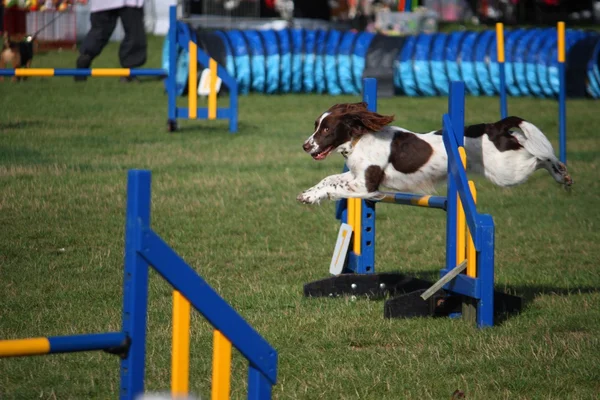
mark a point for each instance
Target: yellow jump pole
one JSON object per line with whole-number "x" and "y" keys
{"x": 502, "y": 68}
{"x": 212, "y": 94}
{"x": 351, "y": 213}
{"x": 193, "y": 81}
{"x": 357, "y": 226}
{"x": 469, "y": 307}
{"x": 24, "y": 347}
{"x": 461, "y": 222}
{"x": 471, "y": 252}
{"x": 110, "y": 72}
{"x": 180, "y": 359}
{"x": 221, "y": 373}
{"x": 562, "y": 95}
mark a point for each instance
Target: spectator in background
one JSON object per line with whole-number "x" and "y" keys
{"x": 104, "y": 16}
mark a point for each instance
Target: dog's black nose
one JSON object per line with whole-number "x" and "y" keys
{"x": 306, "y": 146}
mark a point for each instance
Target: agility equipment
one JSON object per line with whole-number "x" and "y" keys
{"x": 466, "y": 286}
{"x": 335, "y": 61}
{"x": 144, "y": 247}
{"x": 182, "y": 48}
{"x": 556, "y": 76}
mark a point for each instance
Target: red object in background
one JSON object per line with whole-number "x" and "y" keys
{"x": 15, "y": 22}
{"x": 270, "y": 4}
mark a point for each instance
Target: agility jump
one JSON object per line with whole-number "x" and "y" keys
{"x": 179, "y": 35}
{"x": 468, "y": 277}
{"x": 562, "y": 94}
{"x": 143, "y": 247}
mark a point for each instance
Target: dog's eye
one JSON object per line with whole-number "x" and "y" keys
{"x": 325, "y": 130}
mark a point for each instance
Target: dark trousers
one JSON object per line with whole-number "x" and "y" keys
{"x": 132, "y": 52}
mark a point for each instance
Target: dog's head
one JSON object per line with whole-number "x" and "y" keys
{"x": 340, "y": 125}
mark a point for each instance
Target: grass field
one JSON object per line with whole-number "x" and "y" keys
{"x": 226, "y": 203}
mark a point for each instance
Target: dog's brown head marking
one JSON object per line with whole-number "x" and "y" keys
{"x": 343, "y": 123}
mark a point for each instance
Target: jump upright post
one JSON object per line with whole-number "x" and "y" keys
{"x": 179, "y": 35}
{"x": 562, "y": 93}
{"x": 562, "y": 96}
{"x": 144, "y": 248}
{"x": 501, "y": 68}
{"x": 466, "y": 285}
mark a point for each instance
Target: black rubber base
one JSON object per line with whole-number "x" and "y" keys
{"x": 375, "y": 286}
{"x": 403, "y": 295}
{"x": 171, "y": 125}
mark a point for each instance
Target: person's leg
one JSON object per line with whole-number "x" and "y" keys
{"x": 133, "y": 49}
{"x": 103, "y": 24}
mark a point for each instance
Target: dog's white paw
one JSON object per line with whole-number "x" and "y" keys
{"x": 308, "y": 197}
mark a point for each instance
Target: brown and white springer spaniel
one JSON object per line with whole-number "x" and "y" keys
{"x": 506, "y": 152}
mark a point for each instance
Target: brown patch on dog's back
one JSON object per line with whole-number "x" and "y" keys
{"x": 373, "y": 177}
{"x": 498, "y": 133}
{"x": 409, "y": 152}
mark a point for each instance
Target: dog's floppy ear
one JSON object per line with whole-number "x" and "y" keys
{"x": 348, "y": 107}
{"x": 364, "y": 121}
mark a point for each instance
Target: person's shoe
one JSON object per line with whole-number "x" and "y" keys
{"x": 83, "y": 62}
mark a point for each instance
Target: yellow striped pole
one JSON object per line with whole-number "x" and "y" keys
{"x": 351, "y": 213}
{"x": 461, "y": 222}
{"x": 469, "y": 306}
{"x": 193, "y": 81}
{"x": 471, "y": 251}
{"x": 212, "y": 94}
{"x": 500, "y": 52}
{"x": 562, "y": 95}
{"x": 421, "y": 201}
{"x": 561, "y": 41}
{"x": 34, "y": 72}
{"x": 110, "y": 72}
{"x": 24, "y": 347}
{"x": 180, "y": 359}
{"x": 500, "y": 41}
{"x": 357, "y": 225}
{"x": 221, "y": 373}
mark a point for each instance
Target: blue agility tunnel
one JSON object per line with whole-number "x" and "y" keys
{"x": 334, "y": 62}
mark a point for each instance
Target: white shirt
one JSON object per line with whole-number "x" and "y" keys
{"x": 102, "y": 5}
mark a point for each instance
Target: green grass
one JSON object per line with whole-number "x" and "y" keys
{"x": 226, "y": 204}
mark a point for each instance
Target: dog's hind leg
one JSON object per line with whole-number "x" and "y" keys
{"x": 337, "y": 187}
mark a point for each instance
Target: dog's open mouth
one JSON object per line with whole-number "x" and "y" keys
{"x": 322, "y": 154}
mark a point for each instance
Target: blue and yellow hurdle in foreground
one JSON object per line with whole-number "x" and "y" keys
{"x": 145, "y": 249}
{"x": 62, "y": 344}
{"x": 179, "y": 35}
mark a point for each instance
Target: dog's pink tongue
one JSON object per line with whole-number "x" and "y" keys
{"x": 323, "y": 154}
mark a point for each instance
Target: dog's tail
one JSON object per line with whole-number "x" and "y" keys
{"x": 538, "y": 145}
{"x": 534, "y": 141}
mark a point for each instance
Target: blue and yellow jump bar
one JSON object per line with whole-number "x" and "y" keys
{"x": 61, "y": 344}
{"x": 409, "y": 199}
{"x": 96, "y": 72}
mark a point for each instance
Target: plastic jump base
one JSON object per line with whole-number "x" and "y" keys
{"x": 472, "y": 296}
{"x": 180, "y": 39}
{"x": 145, "y": 248}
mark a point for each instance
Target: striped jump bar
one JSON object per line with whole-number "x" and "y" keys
{"x": 417, "y": 200}
{"x": 61, "y": 344}
{"x": 98, "y": 72}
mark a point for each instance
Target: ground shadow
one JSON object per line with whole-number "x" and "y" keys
{"x": 21, "y": 124}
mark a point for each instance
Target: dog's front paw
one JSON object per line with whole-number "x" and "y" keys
{"x": 308, "y": 197}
